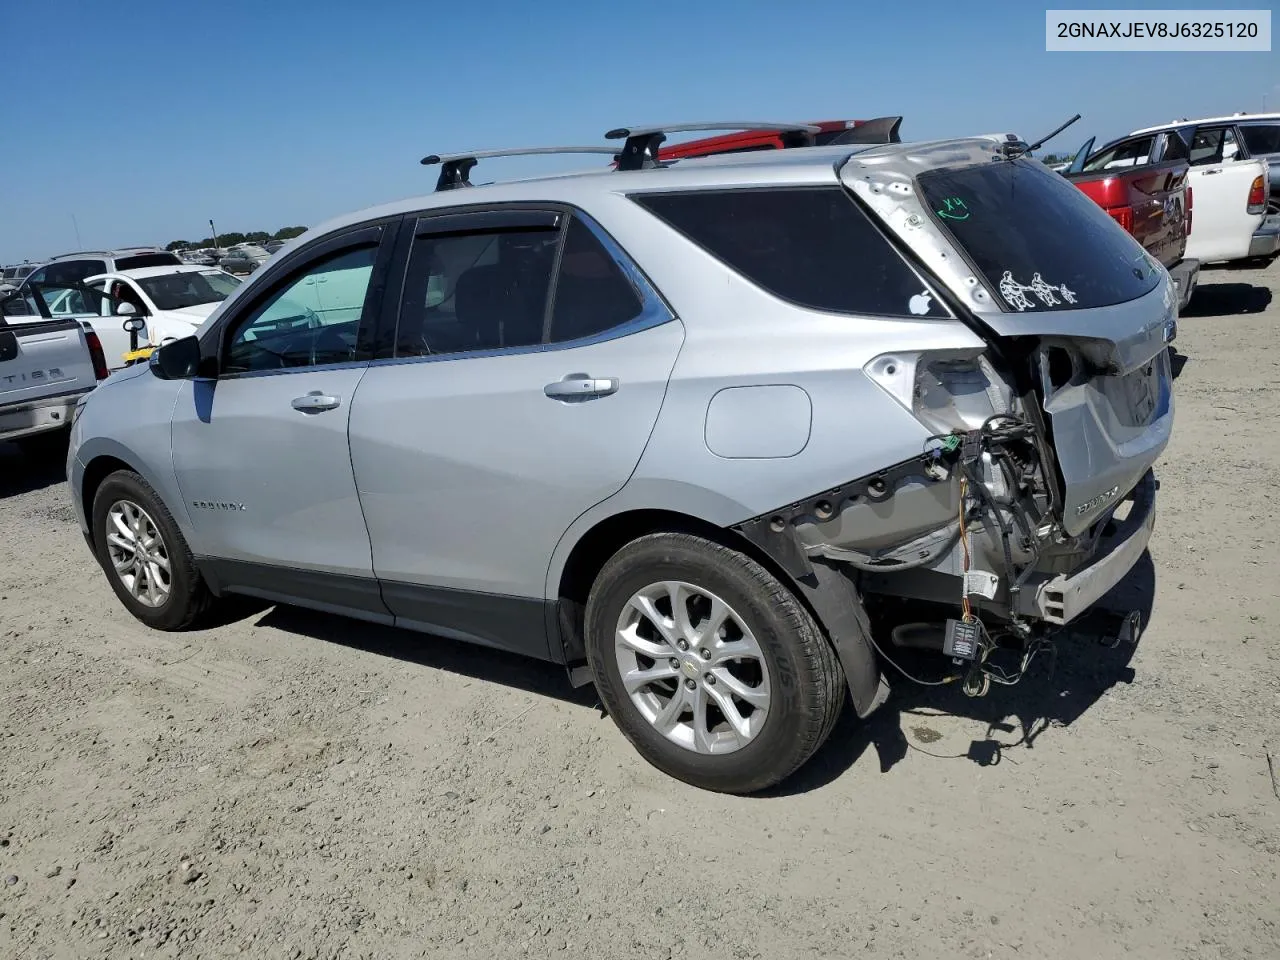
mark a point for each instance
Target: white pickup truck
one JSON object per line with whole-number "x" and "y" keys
{"x": 46, "y": 366}
{"x": 1230, "y": 188}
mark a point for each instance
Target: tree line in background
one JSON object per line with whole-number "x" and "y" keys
{"x": 232, "y": 238}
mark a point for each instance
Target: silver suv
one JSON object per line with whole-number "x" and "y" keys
{"x": 685, "y": 428}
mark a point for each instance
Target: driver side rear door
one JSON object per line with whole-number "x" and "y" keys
{"x": 260, "y": 449}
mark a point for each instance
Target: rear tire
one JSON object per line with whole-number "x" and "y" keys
{"x": 144, "y": 555}
{"x": 732, "y": 696}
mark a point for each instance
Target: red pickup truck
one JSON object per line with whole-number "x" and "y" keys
{"x": 1148, "y": 195}
{"x": 1142, "y": 183}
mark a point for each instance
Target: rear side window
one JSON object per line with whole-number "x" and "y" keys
{"x": 147, "y": 260}
{"x": 1130, "y": 153}
{"x": 812, "y": 246}
{"x": 73, "y": 271}
{"x": 508, "y": 289}
{"x": 592, "y": 294}
{"x": 1040, "y": 242}
{"x": 476, "y": 291}
{"x": 1261, "y": 138}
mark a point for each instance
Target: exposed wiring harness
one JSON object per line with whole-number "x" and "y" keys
{"x": 991, "y": 436}
{"x": 996, "y": 432}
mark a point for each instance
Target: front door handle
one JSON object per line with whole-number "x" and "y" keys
{"x": 1210, "y": 173}
{"x": 315, "y": 402}
{"x": 581, "y": 385}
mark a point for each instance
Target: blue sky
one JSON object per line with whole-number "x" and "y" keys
{"x": 142, "y": 120}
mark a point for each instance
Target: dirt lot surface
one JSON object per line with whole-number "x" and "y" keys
{"x": 293, "y": 785}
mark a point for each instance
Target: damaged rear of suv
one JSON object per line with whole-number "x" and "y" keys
{"x": 982, "y": 351}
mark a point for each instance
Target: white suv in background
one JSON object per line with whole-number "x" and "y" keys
{"x": 69, "y": 268}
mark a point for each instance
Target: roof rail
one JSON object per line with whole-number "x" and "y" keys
{"x": 641, "y": 147}
{"x": 455, "y": 168}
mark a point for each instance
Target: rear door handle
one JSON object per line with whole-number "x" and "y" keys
{"x": 315, "y": 402}
{"x": 581, "y": 385}
{"x": 1210, "y": 173}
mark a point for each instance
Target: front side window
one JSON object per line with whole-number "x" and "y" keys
{"x": 812, "y": 246}
{"x": 311, "y": 320}
{"x": 178, "y": 291}
{"x": 72, "y": 299}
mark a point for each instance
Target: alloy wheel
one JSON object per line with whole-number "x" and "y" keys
{"x": 138, "y": 553}
{"x": 692, "y": 667}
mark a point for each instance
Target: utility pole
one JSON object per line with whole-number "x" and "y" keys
{"x": 79, "y": 244}
{"x": 216, "y": 245}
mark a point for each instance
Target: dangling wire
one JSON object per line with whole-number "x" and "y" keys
{"x": 964, "y": 546}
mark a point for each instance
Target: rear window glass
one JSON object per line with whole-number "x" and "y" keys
{"x": 1261, "y": 138}
{"x": 1040, "y": 242}
{"x": 147, "y": 260}
{"x": 812, "y": 246}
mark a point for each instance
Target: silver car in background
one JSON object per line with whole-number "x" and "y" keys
{"x": 680, "y": 427}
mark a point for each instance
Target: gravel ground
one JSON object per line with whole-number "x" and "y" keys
{"x": 292, "y": 785}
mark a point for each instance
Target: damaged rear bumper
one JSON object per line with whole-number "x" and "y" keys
{"x": 1062, "y": 598}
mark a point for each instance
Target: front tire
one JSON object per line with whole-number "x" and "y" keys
{"x": 709, "y": 665}
{"x": 145, "y": 558}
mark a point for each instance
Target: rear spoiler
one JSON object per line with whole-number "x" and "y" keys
{"x": 879, "y": 130}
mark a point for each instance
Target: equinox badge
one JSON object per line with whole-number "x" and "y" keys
{"x": 216, "y": 505}
{"x": 1097, "y": 501}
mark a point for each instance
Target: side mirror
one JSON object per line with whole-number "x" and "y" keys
{"x": 177, "y": 359}
{"x": 126, "y": 309}
{"x": 134, "y": 324}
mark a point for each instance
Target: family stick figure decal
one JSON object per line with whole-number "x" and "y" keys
{"x": 1015, "y": 293}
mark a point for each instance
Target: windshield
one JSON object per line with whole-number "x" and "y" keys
{"x": 177, "y": 291}
{"x": 1040, "y": 242}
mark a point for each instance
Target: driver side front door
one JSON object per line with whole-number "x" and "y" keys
{"x": 261, "y": 451}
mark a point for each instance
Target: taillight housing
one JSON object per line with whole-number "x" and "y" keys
{"x": 1122, "y": 216}
{"x": 946, "y": 390}
{"x": 97, "y": 354}
{"x": 1190, "y": 204}
{"x": 1257, "y": 196}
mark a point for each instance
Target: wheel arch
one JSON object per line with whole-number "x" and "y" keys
{"x": 832, "y": 602}
{"x": 103, "y": 458}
